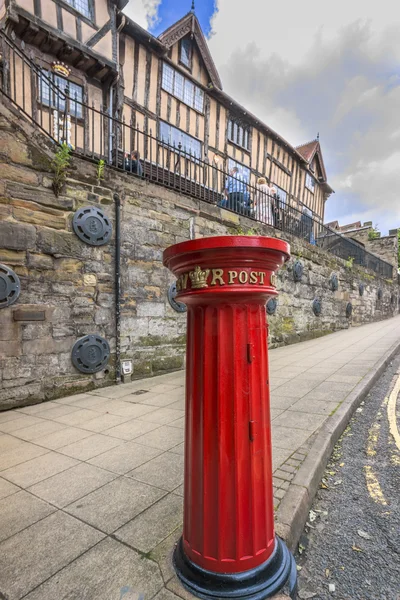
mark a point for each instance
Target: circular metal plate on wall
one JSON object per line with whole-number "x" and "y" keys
{"x": 10, "y": 286}
{"x": 92, "y": 226}
{"x": 178, "y": 306}
{"x": 297, "y": 270}
{"x": 317, "y": 307}
{"x": 380, "y": 294}
{"x": 90, "y": 354}
{"x": 334, "y": 282}
{"x": 272, "y": 305}
{"x": 361, "y": 289}
{"x": 349, "y": 310}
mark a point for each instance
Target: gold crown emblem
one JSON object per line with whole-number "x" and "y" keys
{"x": 198, "y": 277}
{"x": 61, "y": 68}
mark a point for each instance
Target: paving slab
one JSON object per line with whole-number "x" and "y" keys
{"x": 70, "y": 485}
{"x": 115, "y": 504}
{"x": 20, "y": 511}
{"x": 109, "y": 571}
{"x": 154, "y": 524}
{"x": 125, "y": 458}
{"x": 37, "y": 469}
{"x": 7, "y": 488}
{"x": 165, "y": 471}
{"x": 90, "y": 446}
{"x": 30, "y": 557}
{"x": 126, "y": 475}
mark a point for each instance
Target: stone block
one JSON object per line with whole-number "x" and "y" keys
{"x": 38, "y": 217}
{"x": 89, "y": 280}
{"x": 61, "y": 244}
{"x": 9, "y": 348}
{"x": 40, "y": 261}
{"x": 41, "y": 196}
{"x": 20, "y": 175}
{"x": 9, "y": 331}
{"x": 12, "y": 257}
{"x": 15, "y": 236}
{"x": 151, "y": 309}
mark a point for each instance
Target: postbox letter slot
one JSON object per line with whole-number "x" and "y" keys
{"x": 249, "y": 353}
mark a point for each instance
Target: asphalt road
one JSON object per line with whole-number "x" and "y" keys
{"x": 352, "y": 543}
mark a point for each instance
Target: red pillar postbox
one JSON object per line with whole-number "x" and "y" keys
{"x": 229, "y": 548}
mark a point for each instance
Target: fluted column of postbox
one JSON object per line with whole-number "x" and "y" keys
{"x": 228, "y": 548}
{"x": 228, "y": 472}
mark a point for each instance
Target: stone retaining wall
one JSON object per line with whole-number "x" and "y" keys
{"x": 72, "y": 284}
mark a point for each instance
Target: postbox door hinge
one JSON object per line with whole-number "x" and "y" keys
{"x": 252, "y": 433}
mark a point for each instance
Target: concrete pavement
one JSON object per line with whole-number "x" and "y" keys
{"x": 91, "y": 485}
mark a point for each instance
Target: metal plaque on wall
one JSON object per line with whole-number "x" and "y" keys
{"x": 317, "y": 307}
{"x": 178, "y": 306}
{"x": 297, "y": 271}
{"x": 334, "y": 283}
{"x": 90, "y": 354}
{"x": 349, "y": 310}
{"x": 361, "y": 289}
{"x": 92, "y": 226}
{"x": 272, "y": 305}
{"x": 10, "y": 286}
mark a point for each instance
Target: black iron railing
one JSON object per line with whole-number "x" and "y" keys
{"x": 103, "y": 134}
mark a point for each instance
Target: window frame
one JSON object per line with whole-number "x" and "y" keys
{"x": 282, "y": 201}
{"x": 90, "y": 3}
{"x": 197, "y": 90}
{"x": 242, "y": 169}
{"x": 48, "y": 101}
{"x": 182, "y": 134}
{"x": 309, "y": 178}
{"x": 238, "y": 134}
{"x": 189, "y": 66}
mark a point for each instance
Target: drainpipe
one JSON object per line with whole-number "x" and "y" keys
{"x": 117, "y": 201}
{"x": 110, "y": 127}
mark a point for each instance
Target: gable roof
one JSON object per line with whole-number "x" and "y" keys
{"x": 190, "y": 24}
{"x": 308, "y": 150}
{"x": 311, "y": 149}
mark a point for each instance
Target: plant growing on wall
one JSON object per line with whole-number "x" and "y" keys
{"x": 373, "y": 234}
{"x": 349, "y": 262}
{"x": 59, "y": 165}
{"x": 100, "y": 169}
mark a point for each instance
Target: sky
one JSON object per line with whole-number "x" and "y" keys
{"x": 331, "y": 68}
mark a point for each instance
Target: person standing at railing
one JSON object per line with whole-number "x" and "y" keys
{"x": 263, "y": 202}
{"x": 236, "y": 191}
{"x": 133, "y": 164}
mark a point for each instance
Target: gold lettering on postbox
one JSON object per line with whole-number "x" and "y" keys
{"x": 199, "y": 276}
{"x": 253, "y": 277}
{"x": 217, "y": 275}
{"x": 232, "y": 276}
{"x": 243, "y": 277}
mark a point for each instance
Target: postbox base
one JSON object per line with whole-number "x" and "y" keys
{"x": 277, "y": 574}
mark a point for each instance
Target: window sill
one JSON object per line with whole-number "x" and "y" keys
{"x": 243, "y": 148}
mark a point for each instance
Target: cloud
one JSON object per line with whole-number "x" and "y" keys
{"x": 143, "y": 12}
{"x": 323, "y": 69}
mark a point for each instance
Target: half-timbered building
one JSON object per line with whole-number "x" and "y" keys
{"x": 124, "y": 89}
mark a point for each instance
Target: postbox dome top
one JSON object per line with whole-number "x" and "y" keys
{"x": 225, "y": 243}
